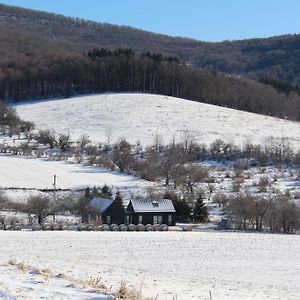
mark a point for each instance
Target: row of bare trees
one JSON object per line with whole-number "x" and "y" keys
{"x": 176, "y": 163}
{"x": 41, "y": 206}
{"x": 271, "y": 212}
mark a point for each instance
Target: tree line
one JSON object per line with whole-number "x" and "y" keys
{"x": 63, "y": 74}
{"x": 40, "y": 207}
{"x": 269, "y": 58}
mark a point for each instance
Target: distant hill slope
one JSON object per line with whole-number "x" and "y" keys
{"x": 273, "y": 58}
{"x": 144, "y": 117}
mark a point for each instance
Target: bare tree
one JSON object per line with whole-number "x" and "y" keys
{"x": 286, "y": 214}
{"x": 193, "y": 174}
{"x": 3, "y": 200}
{"x": 157, "y": 142}
{"x": 64, "y": 142}
{"x": 221, "y": 199}
{"x": 263, "y": 184}
{"x": 39, "y": 206}
{"x": 26, "y": 127}
{"x": 187, "y": 139}
{"x": 82, "y": 207}
{"x": 122, "y": 155}
{"x": 82, "y": 142}
{"x": 241, "y": 210}
{"x": 171, "y": 163}
{"x": 261, "y": 207}
{"x": 46, "y": 137}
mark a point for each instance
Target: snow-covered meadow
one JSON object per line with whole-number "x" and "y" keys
{"x": 32, "y": 174}
{"x": 172, "y": 265}
{"x": 24, "y": 172}
{"x": 142, "y": 117}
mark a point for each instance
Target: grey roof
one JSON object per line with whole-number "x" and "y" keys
{"x": 101, "y": 204}
{"x": 148, "y": 205}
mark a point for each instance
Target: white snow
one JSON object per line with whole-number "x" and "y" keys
{"x": 140, "y": 117}
{"x": 22, "y": 172}
{"x": 16, "y": 285}
{"x": 172, "y": 265}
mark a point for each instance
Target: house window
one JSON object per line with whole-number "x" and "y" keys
{"x": 140, "y": 219}
{"x": 170, "y": 220}
{"x": 157, "y": 219}
{"x": 127, "y": 220}
{"x": 108, "y": 220}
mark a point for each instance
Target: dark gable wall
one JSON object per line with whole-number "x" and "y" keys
{"x": 116, "y": 213}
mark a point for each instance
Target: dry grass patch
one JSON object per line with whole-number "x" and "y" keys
{"x": 12, "y": 262}
{"x": 127, "y": 293}
{"x": 96, "y": 285}
{"x": 23, "y": 267}
{"x": 2, "y": 285}
{"x": 45, "y": 273}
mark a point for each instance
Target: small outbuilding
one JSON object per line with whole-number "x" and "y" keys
{"x": 147, "y": 211}
{"x": 107, "y": 211}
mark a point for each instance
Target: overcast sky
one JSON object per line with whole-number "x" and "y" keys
{"x": 208, "y": 20}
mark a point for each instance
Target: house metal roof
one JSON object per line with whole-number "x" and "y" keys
{"x": 148, "y": 205}
{"x": 101, "y": 204}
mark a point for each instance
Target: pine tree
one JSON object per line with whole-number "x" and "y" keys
{"x": 183, "y": 211}
{"x": 119, "y": 200}
{"x": 200, "y": 211}
{"x": 106, "y": 192}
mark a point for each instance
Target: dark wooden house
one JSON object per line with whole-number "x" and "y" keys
{"x": 147, "y": 211}
{"x": 107, "y": 211}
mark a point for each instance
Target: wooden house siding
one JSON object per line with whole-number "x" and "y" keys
{"x": 168, "y": 218}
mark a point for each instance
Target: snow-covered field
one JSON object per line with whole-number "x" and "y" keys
{"x": 21, "y": 172}
{"x": 172, "y": 265}
{"x": 141, "y": 117}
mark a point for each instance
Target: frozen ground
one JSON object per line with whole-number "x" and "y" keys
{"x": 143, "y": 116}
{"x": 172, "y": 265}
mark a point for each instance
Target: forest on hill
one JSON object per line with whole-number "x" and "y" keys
{"x": 276, "y": 58}
{"x": 64, "y": 74}
{"x": 45, "y": 55}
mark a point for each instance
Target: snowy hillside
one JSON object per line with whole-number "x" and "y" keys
{"x": 141, "y": 117}
{"x": 170, "y": 265}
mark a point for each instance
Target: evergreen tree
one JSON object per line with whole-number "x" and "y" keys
{"x": 95, "y": 192}
{"x": 106, "y": 192}
{"x": 119, "y": 200}
{"x": 200, "y": 211}
{"x": 87, "y": 192}
{"x": 183, "y": 211}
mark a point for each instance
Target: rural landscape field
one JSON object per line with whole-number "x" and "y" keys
{"x": 159, "y": 163}
{"x": 182, "y": 265}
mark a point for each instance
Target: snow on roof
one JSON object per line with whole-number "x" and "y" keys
{"x": 148, "y": 205}
{"x": 101, "y": 204}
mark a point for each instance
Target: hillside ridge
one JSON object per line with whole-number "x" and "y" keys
{"x": 275, "y": 57}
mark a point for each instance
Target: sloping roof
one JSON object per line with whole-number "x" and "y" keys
{"x": 101, "y": 204}
{"x": 148, "y": 205}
